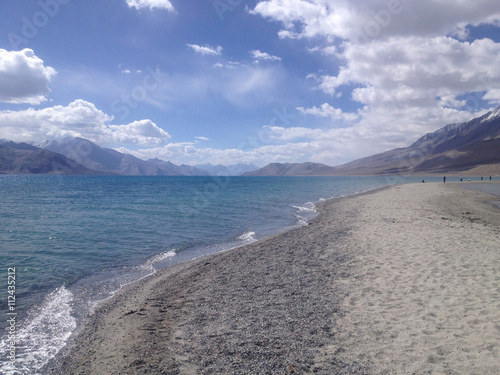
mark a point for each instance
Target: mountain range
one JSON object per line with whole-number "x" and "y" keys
{"x": 80, "y": 156}
{"x": 110, "y": 161}
{"x": 22, "y": 158}
{"x": 227, "y": 170}
{"x": 469, "y": 148}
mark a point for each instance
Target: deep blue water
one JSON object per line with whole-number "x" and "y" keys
{"x": 75, "y": 240}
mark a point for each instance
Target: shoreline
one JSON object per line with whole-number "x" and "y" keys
{"x": 58, "y": 365}
{"x": 81, "y": 302}
{"x": 279, "y": 305}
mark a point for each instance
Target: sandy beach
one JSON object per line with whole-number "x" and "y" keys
{"x": 403, "y": 280}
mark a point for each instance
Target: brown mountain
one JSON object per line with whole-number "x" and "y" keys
{"x": 291, "y": 169}
{"x": 22, "y": 158}
{"x": 111, "y": 161}
{"x": 467, "y": 148}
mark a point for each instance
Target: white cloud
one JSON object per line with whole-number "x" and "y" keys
{"x": 229, "y": 65}
{"x": 188, "y": 153}
{"x": 79, "y": 119}
{"x": 326, "y": 110}
{"x": 296, "y": 144}
{"x": 407, "y": 68}
{"x": 364, "y": 20}
{"x": 405, "y": 63}
{"x": 493, "y": 95}
{"x": 423, "y": 83}
{"x": 143, "y": 132}
{"x": 23, "y": 77}
{"x": 202, "y": 138}
{"x": 151, "y": 4}
{"x": 292, "y": 133}
{"x": 206, "y": 50}
{"x": 263, "y": 56}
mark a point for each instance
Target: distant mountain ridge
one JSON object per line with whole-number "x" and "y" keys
{"x": 22, "y": 158}
{"x": 469, "y": 147}
{"x": 227, "y": 170}
{"x": 110, "y": 161}
{"x": 465, "y": 148}
{"x": 98, "y": 160}
{"x": 291, "y": 169}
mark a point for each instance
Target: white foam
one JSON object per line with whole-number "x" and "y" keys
{"x": 247, "y": 237}
{"x": 305, "y": 213}
{"x": 45, "y": 333}
{"x": 150, "y": 263}
{"x": 308, "y": 207}
{"x": 304, "y": 209}
{"x": 301, "y": 220}
{"x": 162, "y": 256}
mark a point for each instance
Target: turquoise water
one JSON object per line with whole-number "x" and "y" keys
{"x": 75, "y": 240}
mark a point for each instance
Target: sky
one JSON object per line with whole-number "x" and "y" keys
{"x": 235, "y": 81}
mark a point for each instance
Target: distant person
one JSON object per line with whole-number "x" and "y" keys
{"x": 423, "y": 181}
{"x": 461, "y": 178}
{"x": 490, "y": 178}
{"x": 481, "y": 178}
{"x": 444, "y": 179}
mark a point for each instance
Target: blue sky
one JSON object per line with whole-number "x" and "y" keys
{"x": 229, "y": 81}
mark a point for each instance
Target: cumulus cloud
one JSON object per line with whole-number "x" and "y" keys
{"x": 407, "y": 68}
{"x": 326, "y": 110}
{"x": 188, "y": 153}
{"x": 23, "y": 77}
{"x": 143, "y": 132}
{"x": 206, "y": 50}
{"x": 263, "y": 56}
{"x": 151, "y": 4}
{"x": 79, "y": 119}
{"x": 364, "y": 20}
{"x": 280, "y": 145}
{"x": 292, "y": 133}
{"x": 411, "y": 66}
{"x": 423, "y": 83}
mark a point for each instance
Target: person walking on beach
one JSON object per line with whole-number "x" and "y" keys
{"x": 490, "y": 178}
{"x": 444, "y": 179}
{"x": 461, "y": 178}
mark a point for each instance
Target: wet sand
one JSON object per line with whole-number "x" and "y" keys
{"x": 404, "y": 280}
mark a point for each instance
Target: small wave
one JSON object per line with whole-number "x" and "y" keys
{"x": 247, "y": 237}
{"x": 305, "y": 213}
{"x": 301, "y": 220}
{"x": 45, "y": 333}
{"x": 308, "y": 207}
{"x": 151, "y": 262}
